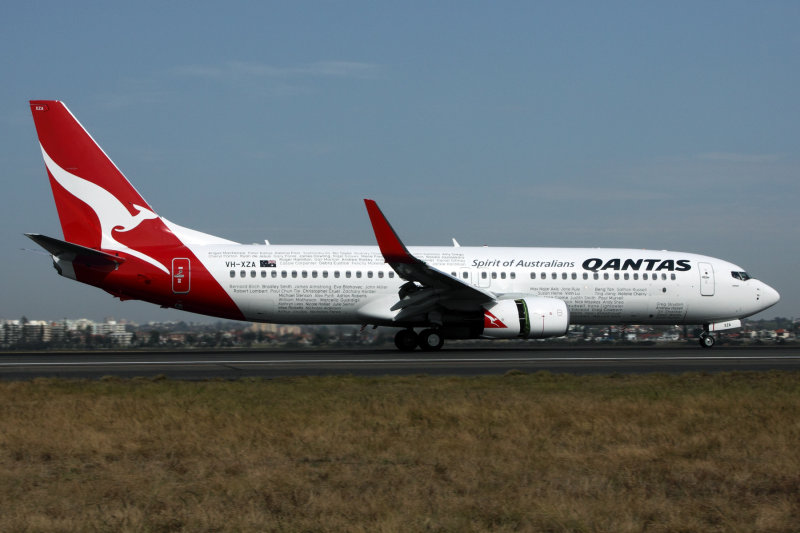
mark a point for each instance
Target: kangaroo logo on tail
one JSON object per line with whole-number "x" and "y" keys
{"x": 112, "y": 213}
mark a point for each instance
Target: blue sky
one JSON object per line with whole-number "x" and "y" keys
{"x": 620, "y": 124}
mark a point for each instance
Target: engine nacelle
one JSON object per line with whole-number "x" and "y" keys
{"x": 531, "y": 317}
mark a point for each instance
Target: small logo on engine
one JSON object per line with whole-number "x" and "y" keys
{"x": 490, "y": 321}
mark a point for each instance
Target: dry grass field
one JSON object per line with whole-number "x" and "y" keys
{"x": 537, "y": 452}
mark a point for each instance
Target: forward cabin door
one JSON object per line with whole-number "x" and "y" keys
{"x": 706, "y": 279}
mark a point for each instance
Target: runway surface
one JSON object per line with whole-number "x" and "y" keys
{"x": 489, "y": 360}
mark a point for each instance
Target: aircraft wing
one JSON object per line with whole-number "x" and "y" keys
{"x": 433, "y": 287}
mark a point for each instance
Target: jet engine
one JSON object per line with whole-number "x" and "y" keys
{"x": 531, "y": 317}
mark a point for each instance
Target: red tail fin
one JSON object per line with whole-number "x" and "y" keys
{"x": 95, "y": 203}
{"x": 114, "y": 240}
{"x": 82, "y": 175}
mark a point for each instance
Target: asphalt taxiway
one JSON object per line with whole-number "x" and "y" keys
{"x": 490, "y": 360}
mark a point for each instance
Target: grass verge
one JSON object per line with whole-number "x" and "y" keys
{"x": 538, "y": 452}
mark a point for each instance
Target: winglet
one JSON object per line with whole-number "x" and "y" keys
{"x": 392, "y": 248}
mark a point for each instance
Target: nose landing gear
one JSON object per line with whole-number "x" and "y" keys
{"x": 707, "y": 340}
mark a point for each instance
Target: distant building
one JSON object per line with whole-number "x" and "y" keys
{"x": 107, "y": 328}
{"x": 121, "y": 338}
{"x": 11, "y": 332}
{"x": 79, "y": 324}
{"x": 36, "y": 331}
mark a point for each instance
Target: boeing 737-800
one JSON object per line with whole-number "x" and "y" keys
{"x": 115, "y": 241}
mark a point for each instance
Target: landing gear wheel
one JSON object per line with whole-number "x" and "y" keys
{"x": 405, "y": 340}
{"x": 430, "y": 340}
{"x": 707, "y": 341}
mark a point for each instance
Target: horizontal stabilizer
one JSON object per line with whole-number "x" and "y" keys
{"x": 75, "y": 253}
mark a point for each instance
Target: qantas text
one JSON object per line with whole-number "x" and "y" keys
{"x": 594, "y": 264}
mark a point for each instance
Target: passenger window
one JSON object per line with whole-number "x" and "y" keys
{"x": 465, "y": 275}
{"x": 324, "y": 273}
{"x": 626, "y": 276}
{"x": 513, "y": 275}
{"x": 494, "y": 275}
{"x": 563, "y": 275}
{"x": 314, "y": 274}
{"x": 336, "y": 274}
{"x": 596, "y": 275}
{"x": 380, "y": 274}
{"x": 294, "y": 273}
{"x": 554, "y": 275}
{"x": 574, "y": 275}
{"x": 233, "y": 273}
{"x": 252, "y": 273}
{"x": 242, "y": 274}
{"x": 663, "y": 276}
{"x": 391, "y": 274}
{"x": 585, "y": 275}
{"x": 502, "y": 275}
{"x": 305, "y": 273}
{"x": 369, "y": 274}
{"x": 605, "y": 275}
{"x": 347, "y": 274}
{"x": 672, "y": 276}
{"x": 283, "y": 273}
{"x": 483, "y": 275}
{"x": 533, "y": 275}
{"x": 616, "y": 275}
{"x": 635, "y": 275}
{"x": 358, "y": 273}
{"x": 274, "y": 273}
{"x": 263, "y": 273}
{"x": 644, "y": 277}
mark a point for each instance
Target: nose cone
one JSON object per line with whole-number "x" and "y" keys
{"x": 769, "y": 296}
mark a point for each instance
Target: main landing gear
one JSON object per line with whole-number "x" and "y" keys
{"x": 428, "y": 340}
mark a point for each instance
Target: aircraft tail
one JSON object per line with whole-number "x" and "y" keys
{"x": 112, "y": 237}
{"x": 92, "y": 196}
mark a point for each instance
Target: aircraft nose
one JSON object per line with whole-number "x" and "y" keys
{"x": 769, "y": 296}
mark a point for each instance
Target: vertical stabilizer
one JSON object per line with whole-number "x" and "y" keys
{"x": 112, "y": 237}
{"x": 91, "y": 194}
{"x": 96, "y": 205}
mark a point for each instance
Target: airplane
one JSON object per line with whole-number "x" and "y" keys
{"x": 113, "y": 239}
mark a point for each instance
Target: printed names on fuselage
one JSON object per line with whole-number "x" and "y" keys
{"x": 604, "y": 302}
{"x": 321, "y": 258}
{"x": 337, "y": 281}
{"x": 330, "y": 299}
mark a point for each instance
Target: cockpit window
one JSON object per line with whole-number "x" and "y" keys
{"x": 744, "y": 276}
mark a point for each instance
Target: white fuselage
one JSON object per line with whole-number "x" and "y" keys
{"x": 353, "y": 284}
